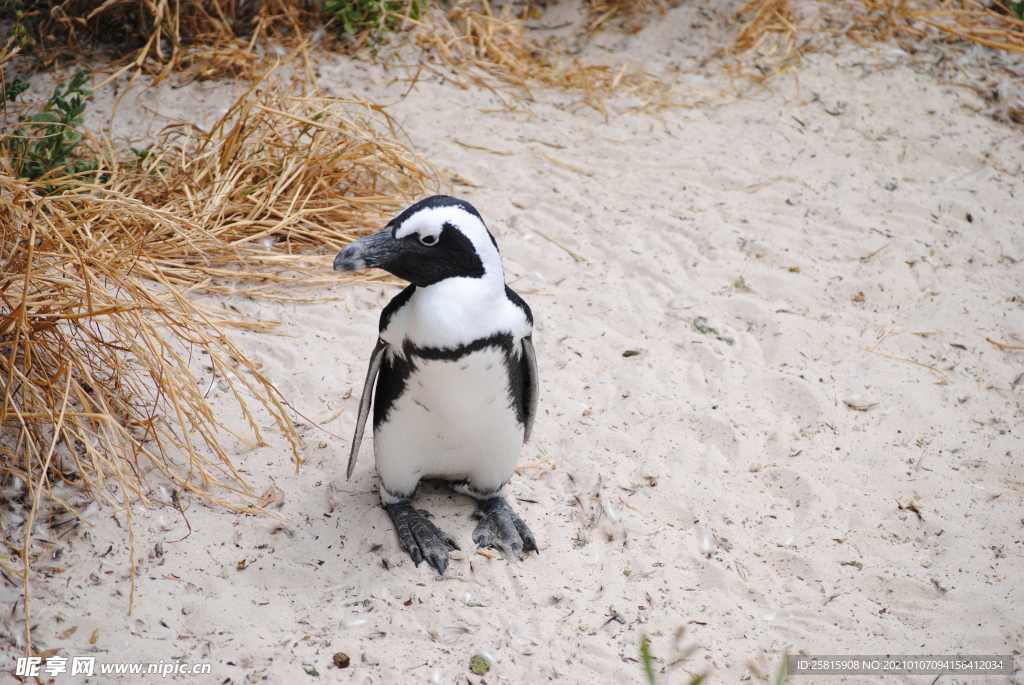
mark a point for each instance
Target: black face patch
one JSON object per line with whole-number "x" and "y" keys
{"x": 452, "y": 256}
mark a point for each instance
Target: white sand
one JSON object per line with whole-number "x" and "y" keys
{"x": 699, "y": 485}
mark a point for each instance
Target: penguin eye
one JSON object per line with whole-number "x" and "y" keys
{"x": 428, "y": 239}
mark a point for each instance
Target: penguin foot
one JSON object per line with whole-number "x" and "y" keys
{"x": 501, "y": 528}
{"x": 421, "y": 539}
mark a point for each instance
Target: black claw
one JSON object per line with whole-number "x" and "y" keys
{"x": 419, "y": 537}
{"x": 439, "y": 562}
{"x": 529, "y": 542}
{"x": 502, "y": 529}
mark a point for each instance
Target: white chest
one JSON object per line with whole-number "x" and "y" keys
{"x": 454, "y": 420}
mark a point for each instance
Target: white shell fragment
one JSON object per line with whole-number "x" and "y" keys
{"x": 859, "y": 403}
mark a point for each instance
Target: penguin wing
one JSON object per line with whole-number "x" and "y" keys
{"x": 376, "y": 359}
{"x": 531, "y": 389}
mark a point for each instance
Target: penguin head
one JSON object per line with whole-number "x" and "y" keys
{"x": 433, "y": 240}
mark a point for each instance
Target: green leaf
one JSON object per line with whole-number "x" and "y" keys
{"x": 783, "y": 673}
{"x": 80, "y": 79}
{"x": 14, "y": 89}
{"x": 646, "y": 659}
{"x": 42, "y": 148}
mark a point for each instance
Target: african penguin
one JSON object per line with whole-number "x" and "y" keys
{"x": 455, "y": 373}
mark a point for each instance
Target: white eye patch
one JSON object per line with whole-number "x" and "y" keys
{"x": 429, "y": 231}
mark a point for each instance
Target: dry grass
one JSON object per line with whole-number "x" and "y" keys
{"x": 205, "y": 39}
{"x": 491, "y": 49}
{"x": 107, "y": 353}
{"x": 868, "y": 21}
{"x": 767, "y": 36}
{"x": 197, "y": 38}
{"x": 628, "y": 16}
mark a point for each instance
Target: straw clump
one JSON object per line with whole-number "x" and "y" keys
{"x": 769, "y": 31}
{"x": 628, "y": 16}
{"x": 766, "y": 37}
{"x": 198, "y": 38}
{"x": 101, "y": 313}
{"x": 492, "y": 50}
{"x": 993, "y": 25}
{"x": 204, "y": 39}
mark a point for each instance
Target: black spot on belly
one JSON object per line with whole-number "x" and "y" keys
{"x": 463, "y": 367}
{"x": 425, "y": 407}
{"x": 488, "y": 367}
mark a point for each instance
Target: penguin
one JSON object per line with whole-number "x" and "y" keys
{"x": 452, "y": 379}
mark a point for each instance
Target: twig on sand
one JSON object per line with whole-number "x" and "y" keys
{"x": 333, "y": 416}
{"x": 1004, "y": 346}
{"x": 485, "y": 149}
{"x": 904, "y": 359}
{"x": 577, "y": 257}
{"x": 539, "y": 464}
{"x": 895, "y": 330}
{"x": 560, "y": 163}
{"x": 864, "y": 259}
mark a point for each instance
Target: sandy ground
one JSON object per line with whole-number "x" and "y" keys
{"x": 854, "y": 239}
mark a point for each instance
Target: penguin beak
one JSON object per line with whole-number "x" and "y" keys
{"x": 373, "y": 251}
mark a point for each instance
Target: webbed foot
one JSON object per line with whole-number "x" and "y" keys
{"x": 501, "y": 528}
{"x": 421, "y": 539}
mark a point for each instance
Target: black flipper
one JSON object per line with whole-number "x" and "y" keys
{"x": 419, "y": 537}
{"x": 376, "y": 359}
{"x": 531, "y": 396}
{"x": 501, "y": 528}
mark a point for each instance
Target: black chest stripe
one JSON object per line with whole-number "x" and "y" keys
{"x": 396, "y": 303}
{"x": 514, "y": 298}
{"x": 395, "y": 372}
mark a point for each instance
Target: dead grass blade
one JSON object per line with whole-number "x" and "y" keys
{"x": 1004, "y": 346}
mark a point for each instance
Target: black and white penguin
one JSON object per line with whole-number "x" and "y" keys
{"x": 455, "y": 372}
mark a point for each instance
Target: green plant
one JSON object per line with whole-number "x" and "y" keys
{"x": 43, "y": 143}
{"x": 18, "y": 32}
{"x": 11, "y": 91}
{"x": 646, "y": 659}
{"x": 374, "y": 17}
{"x": 782, "y": 675}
